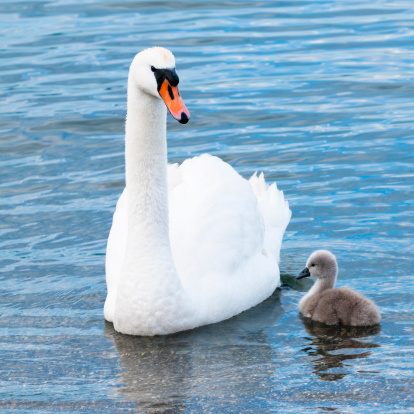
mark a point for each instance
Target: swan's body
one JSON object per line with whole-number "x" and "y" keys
{"x": 332, "y": 306}
{"x": 192, "y": 244}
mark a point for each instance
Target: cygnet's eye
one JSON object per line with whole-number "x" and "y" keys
{"x": 313, "y": 265}
{"x": 153, "y": 69}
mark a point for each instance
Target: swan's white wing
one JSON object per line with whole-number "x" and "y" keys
{"x": 275, "y": 211}
{"x": 218, "y": 235}
{"x": 215, "y": 220}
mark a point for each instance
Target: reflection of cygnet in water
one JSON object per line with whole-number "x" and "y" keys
{"x": 332, "y": 348}
{"x": 332, "y": 306}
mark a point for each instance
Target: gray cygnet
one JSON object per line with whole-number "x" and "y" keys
{"x": 332, "y": 306}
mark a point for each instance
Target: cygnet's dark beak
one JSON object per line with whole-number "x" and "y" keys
{"x": 304, "y": 273}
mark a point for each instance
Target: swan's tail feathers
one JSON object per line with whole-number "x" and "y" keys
{"x": 275, "y": 211}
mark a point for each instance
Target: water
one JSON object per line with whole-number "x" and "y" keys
{"x": 317, "y": 94}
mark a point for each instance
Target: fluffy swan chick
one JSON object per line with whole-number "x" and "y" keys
{"x": 190, "y": 244}
{"x": 332, "y": 306}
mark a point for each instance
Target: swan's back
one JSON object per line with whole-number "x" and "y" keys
{"x": 215, "y": 221}
{"x": 218, "y": 234}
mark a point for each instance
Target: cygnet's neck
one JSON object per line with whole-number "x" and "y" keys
{"x": 322, "y": 284}
{"x": 325, "y": 283}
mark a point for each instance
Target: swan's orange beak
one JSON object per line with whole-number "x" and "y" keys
{"x": 175, "y": 104}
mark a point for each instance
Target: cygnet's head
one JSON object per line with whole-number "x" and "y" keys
{"x": 321, "y": 264}
{"x": 153, "y": 72}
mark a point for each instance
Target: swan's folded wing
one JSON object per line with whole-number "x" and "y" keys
{"x": 215, "y": 221}
{"x": 275, "y": 211}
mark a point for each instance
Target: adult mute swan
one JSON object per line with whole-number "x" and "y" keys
{"x": 193, "y": 244}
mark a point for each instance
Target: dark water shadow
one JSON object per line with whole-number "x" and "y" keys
{"x": 327, "y": 339}
{"x": 163, "y": 373}
{"x": 290, "y": 281}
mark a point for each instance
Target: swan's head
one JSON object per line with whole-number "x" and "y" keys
{"x": 153, "y": 72}
{"x": 321, "y": 264}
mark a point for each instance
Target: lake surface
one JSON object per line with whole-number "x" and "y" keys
{"x": 317, "y": 94}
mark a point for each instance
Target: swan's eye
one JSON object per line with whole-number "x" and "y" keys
{"x": 313, "y": 265}
{"x": 153, "y": 69}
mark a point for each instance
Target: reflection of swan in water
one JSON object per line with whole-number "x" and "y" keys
{"x": 210, "y": 369}
{"x": 327, "y": 338}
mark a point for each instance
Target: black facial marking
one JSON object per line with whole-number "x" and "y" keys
{"x": 162, "y": 74}
{"x": 170, "y": 92}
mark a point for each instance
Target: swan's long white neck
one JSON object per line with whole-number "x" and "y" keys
{"x": 146, "y": 169}
{"x": 150, "y": 291}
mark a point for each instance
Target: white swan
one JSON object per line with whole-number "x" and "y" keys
{"x": 192, "y": 244}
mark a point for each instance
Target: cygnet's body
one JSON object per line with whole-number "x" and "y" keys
{"x": 332, "y": 306}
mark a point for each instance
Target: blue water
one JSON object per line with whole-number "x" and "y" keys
{"x": 317, "y": 94}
